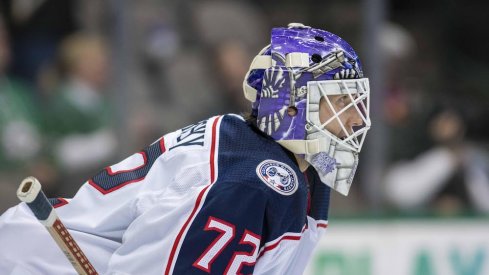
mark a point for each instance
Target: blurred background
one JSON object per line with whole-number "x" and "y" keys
{"x": 85, "y": 83}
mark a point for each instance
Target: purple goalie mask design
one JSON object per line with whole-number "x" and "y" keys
{"x": 283, "y": 85}
{"x": 303, "y": 77}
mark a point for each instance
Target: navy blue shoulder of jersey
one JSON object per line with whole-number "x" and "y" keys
{"x": 241, "y": 149}
{"x": 240, "y": 200}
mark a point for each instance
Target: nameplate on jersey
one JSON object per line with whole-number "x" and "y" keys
{"x": 278, "y": 176}
{"x": 192, "y": 135}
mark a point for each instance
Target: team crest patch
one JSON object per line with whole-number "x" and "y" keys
{"x": 279, "y": 176}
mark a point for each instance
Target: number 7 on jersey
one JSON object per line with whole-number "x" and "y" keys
{"x": 227, "y": 233}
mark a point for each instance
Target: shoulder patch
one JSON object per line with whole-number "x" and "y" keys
{"x": 278, "y": 176}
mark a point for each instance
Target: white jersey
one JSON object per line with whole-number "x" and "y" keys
{"x": 215, "y": 197}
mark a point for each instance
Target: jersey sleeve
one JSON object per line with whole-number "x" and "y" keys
{"x": 97, "y": 217}
{"x": 106, "y": 204}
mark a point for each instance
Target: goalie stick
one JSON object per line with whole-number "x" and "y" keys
{"x": 30, "y": 192}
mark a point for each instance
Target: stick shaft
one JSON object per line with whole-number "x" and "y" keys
{"x": 30, "y": 192}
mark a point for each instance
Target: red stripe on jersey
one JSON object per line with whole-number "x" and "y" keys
{"x": 197, "y": 202}
{"x": 213, "y": 147}
{"x": 323, "y": 225}
{"x": 319, "y": 224}
{"x": 162, "y": 145}
{"x": 60, "y": 203}
{"x": 273, "y": 246}
{"x": 180, "y": 234}
{"x": 105, "y": 192}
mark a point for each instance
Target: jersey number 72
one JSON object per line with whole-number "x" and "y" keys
{"x": 227, "y": 233}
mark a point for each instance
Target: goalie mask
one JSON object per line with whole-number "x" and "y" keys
{"x": 302, "y": 70}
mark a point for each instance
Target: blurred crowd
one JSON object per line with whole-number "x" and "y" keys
{"x": 85, "y": 83}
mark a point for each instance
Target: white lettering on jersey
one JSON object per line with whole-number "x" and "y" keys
{"x": 191, "y": 135}
{"x": 241, "y": 258}
{"x": 227, "y": 232}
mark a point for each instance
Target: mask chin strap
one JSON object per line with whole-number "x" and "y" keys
{"x": 305, "y": 147}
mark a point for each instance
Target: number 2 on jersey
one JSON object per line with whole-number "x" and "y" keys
{"x": 227, "y": 233}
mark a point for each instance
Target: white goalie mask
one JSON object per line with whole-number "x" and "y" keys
{"x": 341, "y": 135}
